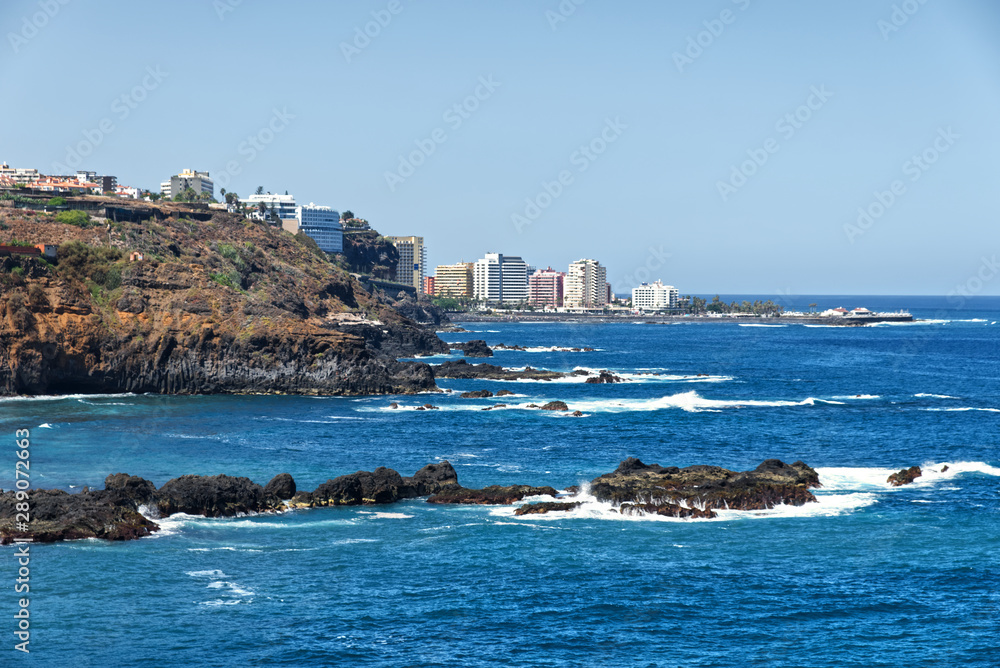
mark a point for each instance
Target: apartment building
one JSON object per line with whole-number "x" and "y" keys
{"x": 586, "y": 285}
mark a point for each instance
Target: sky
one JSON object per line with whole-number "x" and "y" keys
{"x": 731, "y": 146}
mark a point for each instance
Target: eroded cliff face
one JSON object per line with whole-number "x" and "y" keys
{"x": 223, "y": 306}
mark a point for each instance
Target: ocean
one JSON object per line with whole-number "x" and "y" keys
{"x": 869, "y": 576}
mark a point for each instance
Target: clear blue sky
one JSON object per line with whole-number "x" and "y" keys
{"x": 682, "y": 126}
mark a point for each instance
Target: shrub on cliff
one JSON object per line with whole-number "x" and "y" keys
{"x": 77, "y": 218}
{"x": 79, "y": 262}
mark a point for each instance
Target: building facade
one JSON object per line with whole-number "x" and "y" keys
{"x": 654, "y": 296}
{"x": 514, "y": 276}
{"x": 321, "y": 223}
{"x": 19, "y": 175}
{"x": 586, "y": 285}
{"x": 545, "y": 288}
{"x": 199, "y": 182}
{"x": 411, "y": 269}
{"x": 453, "y": 280}
{"x": 283, "y": 206}
{"x": 429, "y": 285}
{"x": 486, "y": 279}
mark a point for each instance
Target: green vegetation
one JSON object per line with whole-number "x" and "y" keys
{"x": 20, "y": 244}
{"x": 82, "y": 263}
{"x": 756, "y": 308}
{"x": 447, "y": 303}
{"x": 57, "y": 201}
{"x": 77, "y": 218}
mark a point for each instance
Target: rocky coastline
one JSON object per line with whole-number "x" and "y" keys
{"x": 129, "y": 506}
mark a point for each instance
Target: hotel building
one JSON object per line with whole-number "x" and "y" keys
{"x": 586, "y": 285}
{"x": 411, "y": 268}
{"x": 321, "y": 223}
{"x": 453, "y": 280}
{"x": 199, "y": 182}
{"x": 654, "y": 296}
{"x": 545, "y": 288}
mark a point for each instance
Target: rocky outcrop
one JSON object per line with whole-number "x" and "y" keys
{"x": 555, "y": 406}
{"x": 706, "y": 487}
{"x": 383, "y": 485}
{"x": 430, "y": 480}
{"x": 477, "y": 394}
{"x": 492, "y": 495}
{"x": 604, "y": 376}
{"x": 280, "y": 488}
{"x": 904, "y": 476}
{"x": 57, "y": 515}
{"x": 211, "y": 496}
{"x": 665, "y": 509}
{"x": 475, "y": 348}
{"x": 546, "y": 507}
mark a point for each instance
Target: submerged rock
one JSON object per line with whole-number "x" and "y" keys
{"x": 905, "y": 476}
{"x": 477, "y": 394}
{"x": 546, "y": 507}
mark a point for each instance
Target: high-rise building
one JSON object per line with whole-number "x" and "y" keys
{"x": 486, "y": 279}
{"x": 586, "y": 285}
{"x": 514, "y": 276}
{"x": 411, "y": 268}
{"x": 429, "y": 287}
{"x": 453, "y": 280}
{"x": 321, "y": 223}
{"x": 545, "y": 288}
{"x": 654, "y": 296}
{"x": 199, "y": 182}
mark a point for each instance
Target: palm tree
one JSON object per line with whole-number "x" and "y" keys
{"x": 260, "y": 190}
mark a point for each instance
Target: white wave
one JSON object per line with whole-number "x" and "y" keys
{"x": 392, "y": 516}
{"x": 628, "y": 377}
{"x": 935, "y": 396}
{"x": 231, "y": 587}
{"x": 352, "y": 541}
{"x": 826, "y": 505}
{"x": 104, "y": 403}
{"x": 823, "y": 326}
{"x": 876, "y": 478}
{"x": 962, "y": 409}
{"x": 61, "y": 397}
{"x": 548, "y": 349}
{"x": 220, "y": 602}
{"x": 690, "y": 401}
{"x": 206, "y": 574}
{"x": 859, "y": 396}
{"x": 45, "y": 425}
{"x": 751, "y": 324}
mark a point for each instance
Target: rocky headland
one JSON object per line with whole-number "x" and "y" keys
{"x": 179, "y": 306}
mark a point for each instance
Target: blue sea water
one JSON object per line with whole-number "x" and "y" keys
{"x": 869, "y": 576}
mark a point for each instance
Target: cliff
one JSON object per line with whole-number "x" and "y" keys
{"x": 225, "y": 305}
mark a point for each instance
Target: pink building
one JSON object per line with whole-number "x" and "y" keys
{"x": 545, "y": 288}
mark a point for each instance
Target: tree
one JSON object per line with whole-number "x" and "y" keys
{"x": 222, "y": 191}
{"x": 260, "y": 190}
{"x": 347, "y": 215}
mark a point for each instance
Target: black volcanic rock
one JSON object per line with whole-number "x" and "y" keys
{"x": 604, "y": 376}
{"x": 492, "y": 495}
{"x": 477, "y": 394}
{"x": 555, "y": 406}
{"x": 57, "y": 516}
{"x": 429, "y": 480}
{"x": 546, "y": 507}
{"x": 130, "y": 490}
{"x": 281, "y": 487}
{"x": 475, "y": 348}
{"x": 211, "y": 496}
{"x": 707, "y": 487}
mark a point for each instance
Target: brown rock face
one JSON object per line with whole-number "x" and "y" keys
{"x": 545, "y": 507}
{"x": 905, "y": 476}
{"x": 224, "y": 306}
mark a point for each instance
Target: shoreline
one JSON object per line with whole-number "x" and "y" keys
{"x": 847, "y": 321}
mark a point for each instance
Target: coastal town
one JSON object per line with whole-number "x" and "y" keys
{"x": 495, "y": 285}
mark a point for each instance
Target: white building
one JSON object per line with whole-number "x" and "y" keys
{"x": 487, "y": 285}
{"x": 19, "y": 175}
{"x": 283, "y": 206}
{"x": 321, "y": 223}
{"x": 653, "y": 296}
{"x": 199, "y": 182}
{"x": 586, "y": 285}
{"x": 514, "y": 277}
